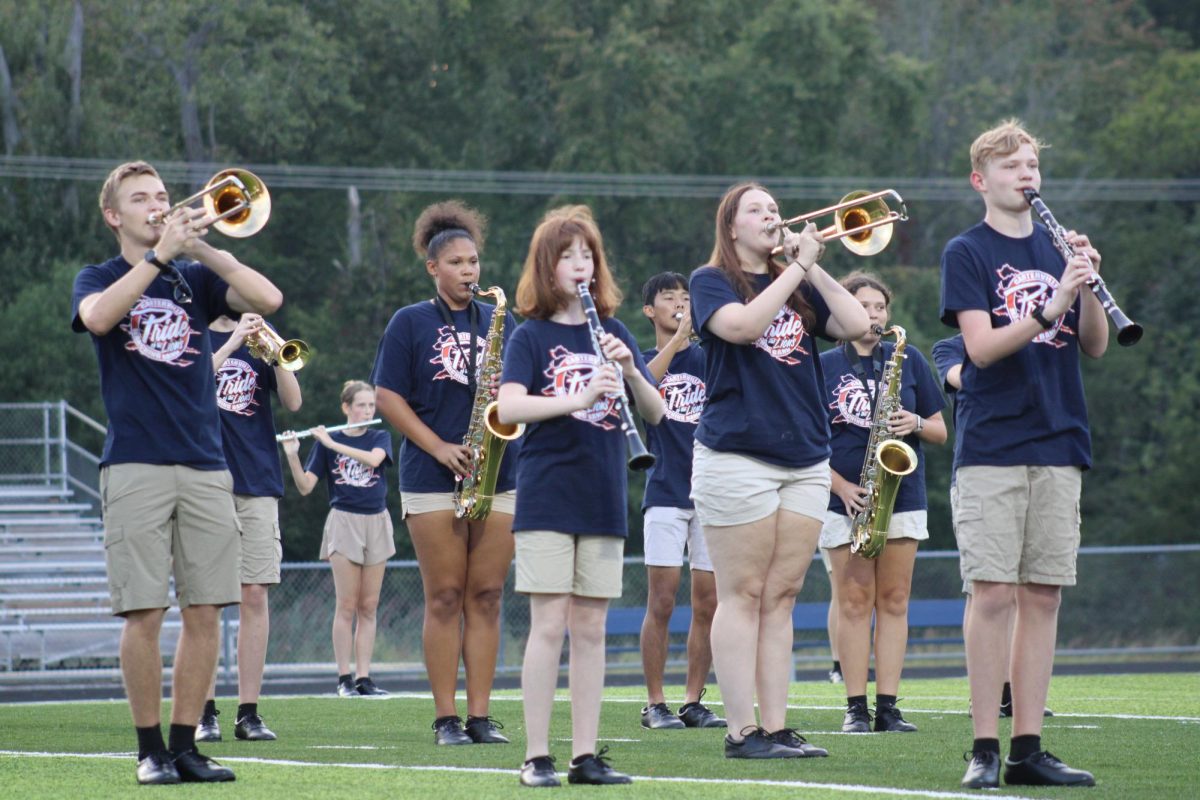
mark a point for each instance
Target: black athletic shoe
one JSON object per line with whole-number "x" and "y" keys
{"x": 657, "y": 716}
{"x": 196, "y": 768}
{"x": 1043, "y": 769}
{"x": 857, "y": 720}
{"x": 698, "y": 715}
{"x": 539, "y": 771}
{"x": 367, "y": 688}
{"x": 449, "y": 730}
{"x": 157, "y": 768}
{"x": 252, "y": 728}
{"x": 345, "y": 688}
{"x": 485, "y": 730}
{"x": 757, "y": 743}
{"x": 889, "y": 720}
{"x": 983, "y": 770}
{"x": 209, "y": 730}
{"x": 789, "y": 738}
{"x": 595, "y": 770}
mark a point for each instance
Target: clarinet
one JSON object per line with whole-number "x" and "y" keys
{"x": 639, "y": 457}
{"x": 1128, "y": 331}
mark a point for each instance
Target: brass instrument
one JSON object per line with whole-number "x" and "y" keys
{"x": 861, "y": 220}
{"x": 237, "y": 200}
{"x": 888, "y": 459}
{"x": 486, "y": 435}
{"x": 693, "y": 336}
{"x": 269, "y": 346}
{"x": 1128, "y": 332}
{"x": 280, "y": 437}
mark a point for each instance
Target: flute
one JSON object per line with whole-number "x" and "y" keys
{"x": 346, "y": 427}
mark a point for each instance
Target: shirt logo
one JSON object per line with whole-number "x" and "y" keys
{"x": 1020, "y": 292}
{"x": 569, "y": 373}
{"x": 160, "y": 331}
{"x": 451, "y": 354}
{"x": 684, "y": 397}
{"x": 783, "y": 337}
{"x": 352, "y": 472}
{"x": 236, "y": 384}
{"x": 852, "y": 402}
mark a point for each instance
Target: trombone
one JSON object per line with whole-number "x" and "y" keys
{"x": 237, "y": 200}
{"x": 269, "y": 346}
{"x": 861, "y": 220}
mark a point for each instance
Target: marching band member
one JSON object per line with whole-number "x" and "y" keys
{"x": 165, "y": 485}
{"x": 426, "y": 369}
{"x": 358, "y": 538}
{"x": 569, "y": 550}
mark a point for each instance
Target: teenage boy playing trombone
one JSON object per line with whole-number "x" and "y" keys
{"x": 1021, "y": 447}
{"x": 165, "y": 488}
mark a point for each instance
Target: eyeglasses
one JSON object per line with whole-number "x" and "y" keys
{"x": 183, "y": 292}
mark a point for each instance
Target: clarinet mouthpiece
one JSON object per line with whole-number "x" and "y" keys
{"x": 1030, "y": 195}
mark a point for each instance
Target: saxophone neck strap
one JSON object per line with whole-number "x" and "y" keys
{"x": 868, "y": 370}
{"x": 468, "y": 355}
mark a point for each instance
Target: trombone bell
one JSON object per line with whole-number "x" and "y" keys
{"x": 861, "y": 220}
{"x": 236, "y": 199}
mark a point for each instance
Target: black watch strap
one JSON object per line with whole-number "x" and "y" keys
{"x": 1041, "y": 318}
{"x": 152, "y": 258}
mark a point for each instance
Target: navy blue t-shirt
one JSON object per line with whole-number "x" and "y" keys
{"x": 946, "y": 354}
{"x": 764, "y": 398}
{"x": 419, "y": 359}
{"x": 156, "y": 374}
{"x": 1028, "y": 408}
{"x": 353, "y": 486}
{"x": 669, "y": 481}
{"x": 850, "y": 417}
{"x": 244, "y": 386}
{"x": 571, "y": 476}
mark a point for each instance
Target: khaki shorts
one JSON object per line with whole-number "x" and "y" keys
{"x": 262, "y": 548}
{"x": 667, "y": 532}
{"x": 825, "y": 560}
{"x": 905, "y": 525}
{"x": 1018, "y": 524}
{"x": 424, "y": 502}
{"x": 364, "y": 539}
{"x": 164, "y": 519}
{"x": 733, "y": 489}
{"x": 549, "y": 562}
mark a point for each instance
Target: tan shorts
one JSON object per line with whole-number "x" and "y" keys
{"x": 905, "y": 525}
{"x": 1018, "y": 524}
{"x": 424, "y": 502}
{"x": 364, "y": 539}
{"x": 549, "y": 562}
{"x": 667, "y": 531}
{"x": 733, "y": 489}
{"x": 825, "y": 560}
{"x": 262, "y": 548}
{"x": 164, "y": 519}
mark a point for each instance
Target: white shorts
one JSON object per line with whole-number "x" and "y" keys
{"x": 733, "y": 489}
{"x": 905, "y": 525}
{"x": 425, "y": 502}
{"x": 667, "y": 531}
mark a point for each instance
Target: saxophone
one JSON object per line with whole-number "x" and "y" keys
{"x": 486, "y": 436}
{"x": 888, "y": 459}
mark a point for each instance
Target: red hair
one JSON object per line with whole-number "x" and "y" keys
{"x": 538, "y": 293}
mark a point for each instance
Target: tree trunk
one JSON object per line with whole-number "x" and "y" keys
{"x": 8, "y": 104}
{"x": 73, "y": 59}
{"x": 354, "y": 228}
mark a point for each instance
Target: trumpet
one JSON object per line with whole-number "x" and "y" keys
{"x": 237, "y": 200}
{"x": 693, "y": 336}
{"x": 280, "y": 437}
{"x": 269, "y": 346}
{"x": 861, "y": 220}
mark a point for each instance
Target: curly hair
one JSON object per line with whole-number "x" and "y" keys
{"x": 443, "y": 222}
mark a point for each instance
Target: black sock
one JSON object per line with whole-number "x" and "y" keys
{"x": 575, "y": 762}
{"x": 837, "y": 665}
{"x": 986, "y": 746}
{"x": 181, "y": 739}
{"x": 857, "y": 700}
{"x": 210, "y": 708}
{"x": 882, "y": 700}
{"x": 1022, "y": 747}
{"x": 347, "y": 678}
{"x": 245, "y": 709}
{"x": 150, "y": 741}
{"x": 1006, "y": 695}
{"x": 360, "y": 680}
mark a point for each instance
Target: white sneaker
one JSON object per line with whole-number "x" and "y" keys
{"x": 835, "y": 676}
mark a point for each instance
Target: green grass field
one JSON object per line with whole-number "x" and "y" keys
{"x": 1139, "y": 734}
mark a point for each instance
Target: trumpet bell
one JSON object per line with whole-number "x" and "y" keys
{"x": 242, "y": 203}
{"x": 269, "y": 346}
{"x": 853, "y": 224}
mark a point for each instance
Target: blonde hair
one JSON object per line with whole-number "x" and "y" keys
{"x": 1002, "y": 140}
{"x": 538, "y": 293}
{"x": 351, "y": 388}
{"x": 108, "y": 192}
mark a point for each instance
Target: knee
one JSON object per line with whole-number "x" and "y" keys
{"x": 1041, "y": 599}
{"x": 855, "y": 603}
{"x": 995, "y": 602}
{"x": 254, "y": 598}
{"x": 445, "y": 603}
{"x": 485, "y": 601}
{"x": 587, "y": 634}
{"x": 893, "y": 601}
{"x": 659, "y": 605}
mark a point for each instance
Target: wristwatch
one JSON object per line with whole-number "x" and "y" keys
{"x": 1041, "y": 318}
{"x": 152, "y": 258}
{"x": 920, "y": 425}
